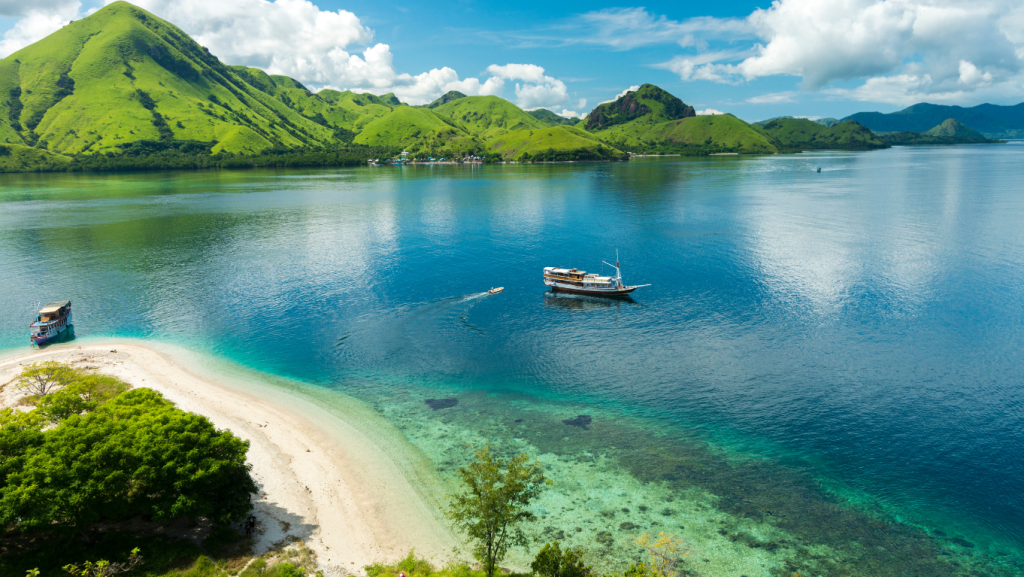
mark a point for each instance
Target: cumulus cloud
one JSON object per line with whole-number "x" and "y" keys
{"x": 633, "y": 88}
{"x": 565, "y": 113}
{"x": 37, "y": 21}
{"x": 709, "y": 112}
{"x": 898, "y": 49}
{"x": 537, "y": 89}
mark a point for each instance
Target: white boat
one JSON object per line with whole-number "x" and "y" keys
{"x": 495, "y": 291}
{"x": 576, "y": 281}
{"x": 52, "y": 320}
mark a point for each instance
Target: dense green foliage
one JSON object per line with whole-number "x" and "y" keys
{"x": 113, "y": 455}
{"x": 803, "y": 134}
{"x": 494, "y": 503}
{"x": 990, "y": 119}
{"x": 552, "y": 561}
{"x": 951, "y": 131}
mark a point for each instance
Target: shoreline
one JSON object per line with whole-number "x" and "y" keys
{"x": 347, "y": 485}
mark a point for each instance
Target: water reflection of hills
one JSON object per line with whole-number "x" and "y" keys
{"x": 573, "y": 302}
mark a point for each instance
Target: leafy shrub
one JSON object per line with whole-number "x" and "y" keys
{"x": 551, "y": 561}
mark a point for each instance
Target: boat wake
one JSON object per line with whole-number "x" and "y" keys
{"x": 415, "y": 332}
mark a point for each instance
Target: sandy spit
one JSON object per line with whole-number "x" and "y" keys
{"x": 340, "y": 479}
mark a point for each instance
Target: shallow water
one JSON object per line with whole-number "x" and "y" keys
{"x": 824, "y": 375}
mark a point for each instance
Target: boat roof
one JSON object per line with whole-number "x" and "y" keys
{"x": 54, "y": 306}
{"x": 566, "y": 271}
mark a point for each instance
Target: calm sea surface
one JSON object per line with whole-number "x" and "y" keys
{"x": 855, "y": 333}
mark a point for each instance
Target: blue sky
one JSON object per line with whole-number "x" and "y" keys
{"x": 753, "y": 59}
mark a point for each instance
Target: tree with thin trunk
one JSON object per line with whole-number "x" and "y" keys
{"x": 494, "y": 503}
{"x": 41, "y": 379}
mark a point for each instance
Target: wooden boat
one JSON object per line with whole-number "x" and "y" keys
{"x": 495, "y": 291}
{"x": 576, "y": 281}
{"x": 52, "y": 320}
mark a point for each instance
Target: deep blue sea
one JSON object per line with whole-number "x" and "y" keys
{"x": 852, "y": 336}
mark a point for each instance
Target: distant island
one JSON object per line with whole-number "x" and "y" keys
{"x": 124, "y": 90}
{"x": 991, "y": 120}
{"x": 950, "y": 131}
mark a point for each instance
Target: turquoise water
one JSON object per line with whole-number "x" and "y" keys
{"x": 824, "y": 376}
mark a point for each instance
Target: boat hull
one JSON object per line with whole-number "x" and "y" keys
{"x": 594, "y": 293}
{"x": 43, "y": 339}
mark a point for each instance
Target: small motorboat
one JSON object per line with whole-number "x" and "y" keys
{"x": 495, "y": 291}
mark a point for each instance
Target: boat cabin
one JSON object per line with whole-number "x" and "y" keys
{"x": 53, "y": 311}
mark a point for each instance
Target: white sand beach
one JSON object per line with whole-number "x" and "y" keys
{"x": 333, "y": 474}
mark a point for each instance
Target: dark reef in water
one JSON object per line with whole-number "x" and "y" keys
{"x": 442, "y": 403}
{"x": 581, "y": 421}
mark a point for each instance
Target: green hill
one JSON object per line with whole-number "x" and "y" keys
{"x": 123, "y": 75}
{"x": 695, "y": 135}
{"x": 401, "y": 127}
{"x": 551, "y": 119}
{"x": 486, "y": 116}
{"x": 555, "y": 143}
{"x": 446, "y": 98}
{"x": 950, "y": 131}
{"x": 19, "y": 158}
{"x": 648, "y": 103}
{"x": 800, "y": 133}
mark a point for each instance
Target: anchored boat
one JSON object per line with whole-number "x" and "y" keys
{"x": 575, "y": 281}
{"x": 53, "y": 319}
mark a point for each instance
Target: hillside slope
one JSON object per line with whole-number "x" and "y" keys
{"x": 487, "y": 116}
{"x": 123, "y": 75}
{"x": 693, "y": 135}
{"x": 800, "y": 133}
{"x": 551, "y": 119}
{"x": 556, "y": 143}
{"x": 992, "y": 120}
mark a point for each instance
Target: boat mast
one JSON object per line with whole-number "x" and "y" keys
{"x": 618, "y": 273}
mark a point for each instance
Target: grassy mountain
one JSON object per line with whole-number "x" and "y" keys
{"x": 551, "y": 119}
{"x": 992, "y": 120}
{"x": 793, "y": 133}
{"x": 446, "y": 98}
{"x": 648, "y": 103}
{"x": 486, "y": 116}
{"x": 555, "y": 143}
{"x": 401, "y": 127}
{"x": 693, "y": 135}
{"x": 950, "y": 131}
{"x": 123, "y": 75}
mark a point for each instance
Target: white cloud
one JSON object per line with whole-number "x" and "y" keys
{"x": 709, "y": 112}
{"x": 626, "y": 28}
{"x": 633, "y": 88}
{"x": 773, "y": 98}
{"x": 900, "y": 50}
{"x": 970, "y": 75}
{"x": 571, "y": 114}
{"x": 537, "y": 90}
{"x": 37, "y": 21}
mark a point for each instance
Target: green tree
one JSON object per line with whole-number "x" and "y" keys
{"x": 41, "y": 379}
{"x": 134, "y": 455}
{"x": 551, "y": 561}
{"x": 494, "y": 504}
{"x": 104, "y": 568}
